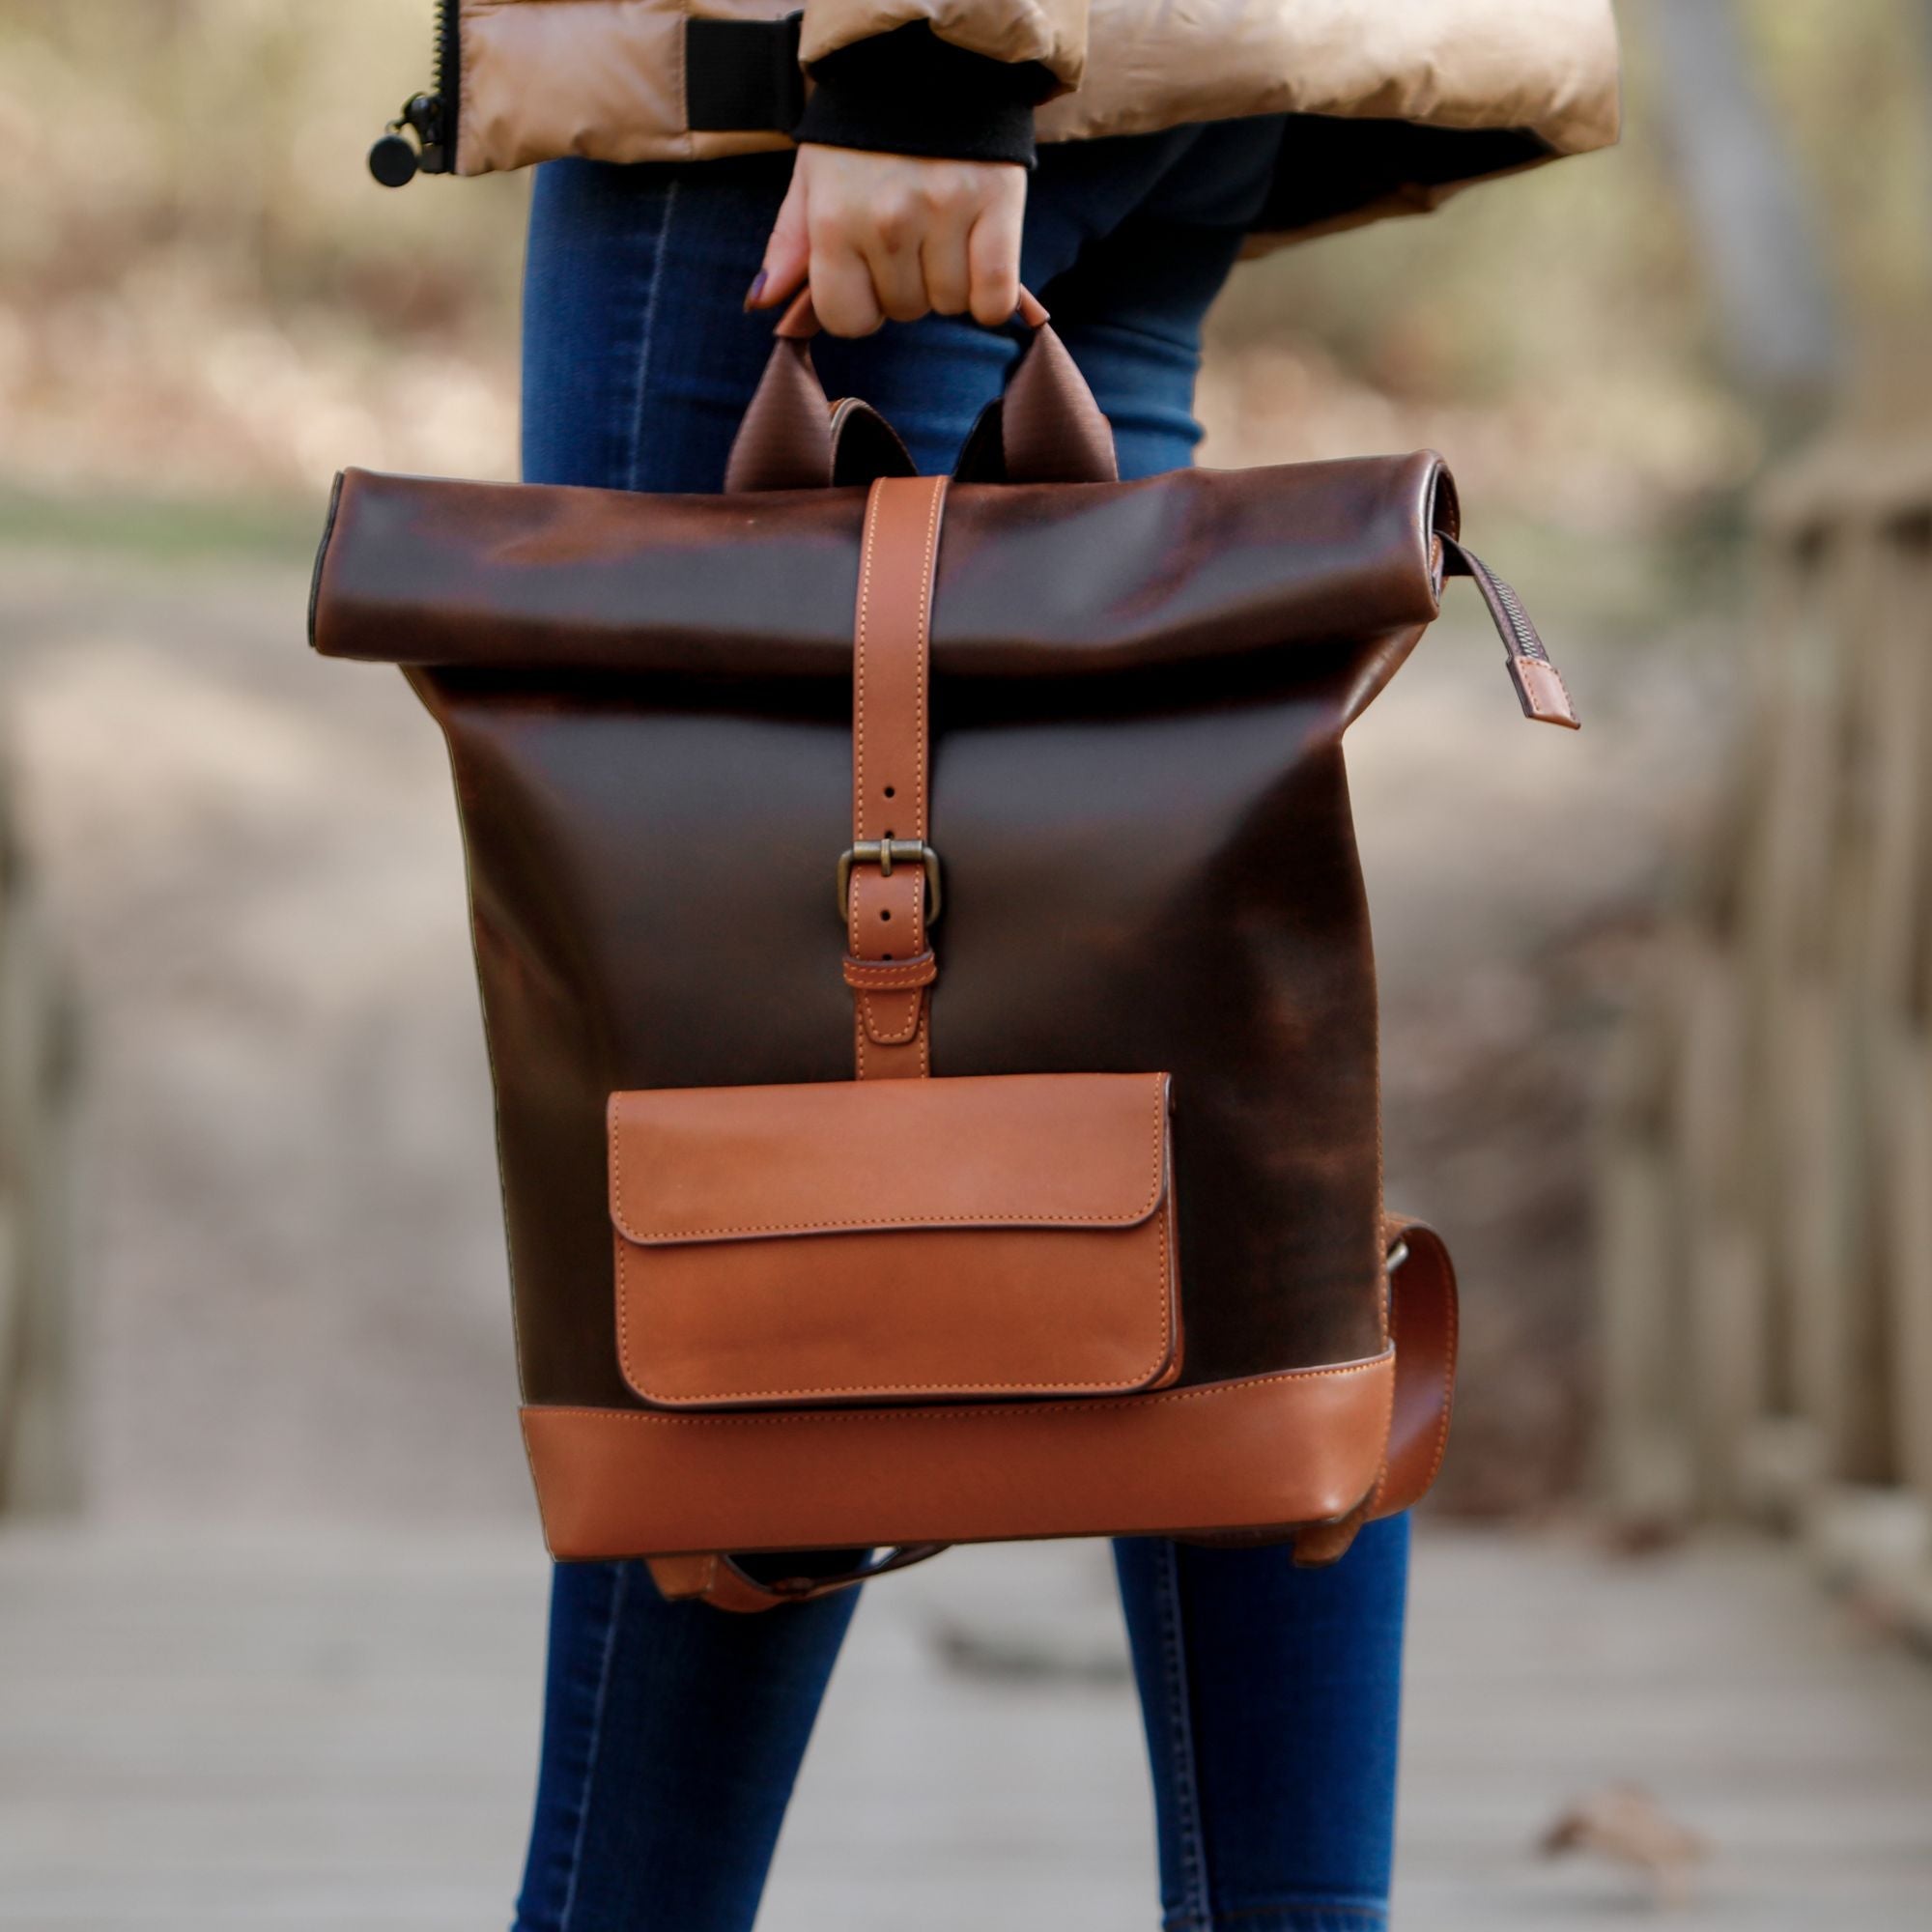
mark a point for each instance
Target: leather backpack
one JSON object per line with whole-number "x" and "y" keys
{"x": 927, "y": 980}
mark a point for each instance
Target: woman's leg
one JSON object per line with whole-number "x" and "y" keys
{"x": 1271, "y": 1697}
{"x": 672, "y": 1734}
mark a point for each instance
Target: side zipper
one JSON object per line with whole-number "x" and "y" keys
{"x": 1539, "y": 685}
{"x": 395, "y": 159}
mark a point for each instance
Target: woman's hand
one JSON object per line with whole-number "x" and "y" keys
{"x": 895, "y": 236}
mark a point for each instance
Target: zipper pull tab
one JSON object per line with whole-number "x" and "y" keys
{"x": 395, "y": 158}
{"x": 1539, "y": 684}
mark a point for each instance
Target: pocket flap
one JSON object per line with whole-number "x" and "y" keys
{"x": 1015, "y": 1150}
{"x": 895, "y": 1240}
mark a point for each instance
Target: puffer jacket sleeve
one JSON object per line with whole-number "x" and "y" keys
{"x": 1051, "y": 32}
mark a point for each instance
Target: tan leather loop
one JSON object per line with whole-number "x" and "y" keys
{"x": 1422, "y": 1319}
{"x": 710, "y": 1579}
{"x": 888, "y": 976}
{"x": 1423, "y": 1324}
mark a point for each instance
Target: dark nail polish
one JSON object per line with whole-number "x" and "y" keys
{"x": 756, "y": 289}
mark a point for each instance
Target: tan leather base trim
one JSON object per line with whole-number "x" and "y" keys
{"x": 1301, "y": 1446}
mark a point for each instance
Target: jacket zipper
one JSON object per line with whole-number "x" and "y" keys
{"x": 395, "y": 159}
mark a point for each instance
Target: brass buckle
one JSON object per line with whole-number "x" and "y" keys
{"x": 886, "y": 853}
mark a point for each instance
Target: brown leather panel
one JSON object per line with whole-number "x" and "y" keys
{"x": 734, "y": 1163}
{"x": 1153, "y": 868}
{"x": 1036, "y": 580}
{"x": 1002, "y": 1237}
{"x": 1297, "y": 1447}
{"x": 1218, "y": 930}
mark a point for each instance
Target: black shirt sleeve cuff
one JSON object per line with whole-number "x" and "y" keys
{"x": 910, "y": 93}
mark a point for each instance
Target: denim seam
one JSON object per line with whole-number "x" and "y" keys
{"x": 614, "y": 1616}
{"x": 1196, "y": 1903}
{"x": 648, "y": 338}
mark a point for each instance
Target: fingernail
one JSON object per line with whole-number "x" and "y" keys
{"x": 756, "y": 289}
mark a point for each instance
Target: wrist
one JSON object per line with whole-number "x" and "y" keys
{"x": 908, "y": 92}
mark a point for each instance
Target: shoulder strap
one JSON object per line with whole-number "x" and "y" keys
{"x": 1422, "y": 1328}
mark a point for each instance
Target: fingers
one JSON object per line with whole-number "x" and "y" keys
{"x": 943, "y": 261}
{"x": 788, "y": 252}
{"x": 890, "y": 241}
{"x": 893, "y": 236}
{"x": 993, "y": 255}
{"x": 842, "y": 291}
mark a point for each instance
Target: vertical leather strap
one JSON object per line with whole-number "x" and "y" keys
{"x": 889, "y": 965}
{"x": 889, "y": 962}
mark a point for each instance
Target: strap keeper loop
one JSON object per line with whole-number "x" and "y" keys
{"x": 892, "y": 975}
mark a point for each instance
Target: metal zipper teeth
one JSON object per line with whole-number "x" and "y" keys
{"x": 448, "y": 72}
{"x": 1528, "y": 644}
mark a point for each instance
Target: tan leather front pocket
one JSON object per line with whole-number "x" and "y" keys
{"x": 896, "y": 1240}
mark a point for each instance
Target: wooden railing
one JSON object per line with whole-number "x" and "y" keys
{"x": 1765, "y": 1210}
{"x": 39, "y": 1426}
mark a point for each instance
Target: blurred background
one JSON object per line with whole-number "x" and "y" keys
{"x": 1656, "y": 1031}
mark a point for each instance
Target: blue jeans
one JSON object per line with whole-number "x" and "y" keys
{"x": 672, "y": 1733}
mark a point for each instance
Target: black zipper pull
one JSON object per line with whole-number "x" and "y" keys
{"x": 395, "y": 159}
{"x": 1539, "y": 685}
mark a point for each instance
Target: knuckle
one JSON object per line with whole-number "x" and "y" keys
{"x": 893, "y": 228}
{"x": 943, "y": 191}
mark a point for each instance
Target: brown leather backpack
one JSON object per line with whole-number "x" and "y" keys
{"x": 1020, "y": 796}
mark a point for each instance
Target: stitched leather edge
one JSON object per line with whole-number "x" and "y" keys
{"x": 1158, "y": 1191}
{"x": 964, "y": 1412}
{"x": 854, "y": 1392}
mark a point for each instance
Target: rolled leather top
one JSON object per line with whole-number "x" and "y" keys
{"x": 1033, "y": 581}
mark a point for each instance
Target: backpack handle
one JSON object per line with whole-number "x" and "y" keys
{"x": 1048, "y": 428}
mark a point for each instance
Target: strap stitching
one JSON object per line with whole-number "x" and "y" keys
{"x": 963, "y": 1412}
{"x": 1143, "y": 1377}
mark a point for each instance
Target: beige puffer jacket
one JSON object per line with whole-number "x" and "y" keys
{"x": 1399, "y": 103}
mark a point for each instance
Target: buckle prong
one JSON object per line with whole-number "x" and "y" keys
{"x": 884, "y": 853}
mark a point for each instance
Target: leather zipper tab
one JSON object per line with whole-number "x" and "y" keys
{"x": 1539, "y": 685}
